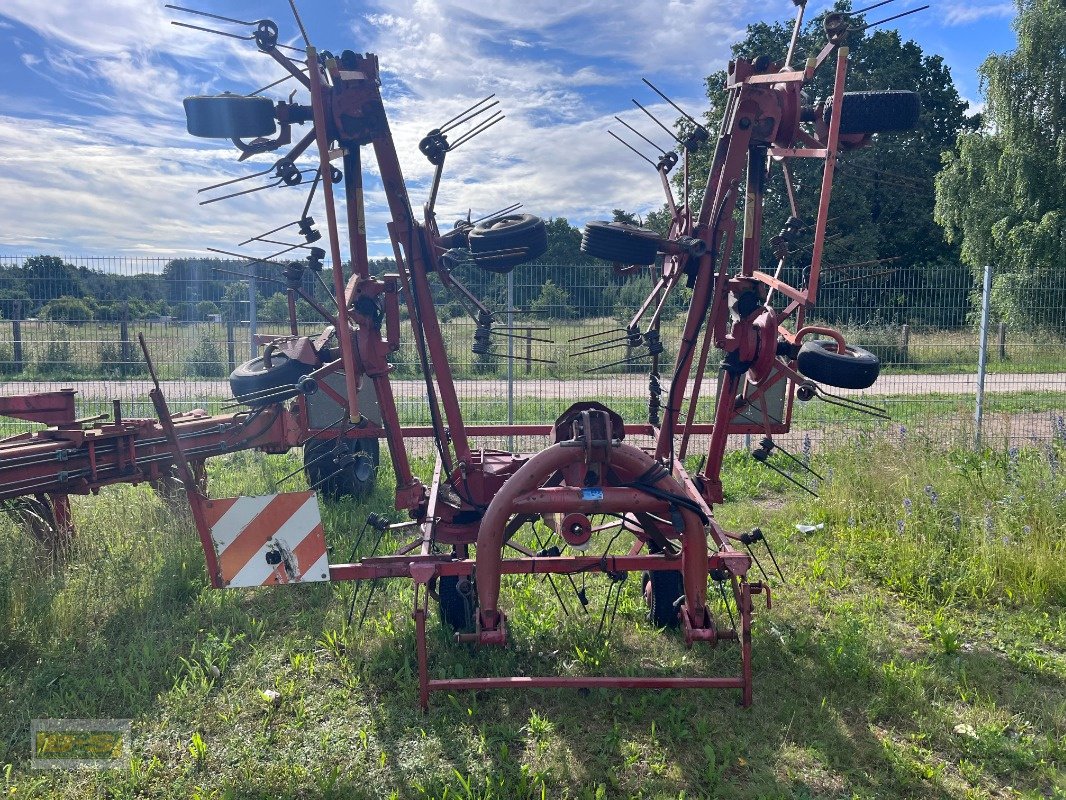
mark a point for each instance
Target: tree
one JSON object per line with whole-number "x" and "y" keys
{"x": 1002, "y": 195}
{"x": 72, "y": 310}
{"x": 883, "y": 195}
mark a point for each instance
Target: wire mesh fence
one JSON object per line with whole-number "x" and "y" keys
{"x": 558, "y": 337}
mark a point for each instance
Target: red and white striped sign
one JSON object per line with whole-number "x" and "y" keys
{"x": 261, "y": 541}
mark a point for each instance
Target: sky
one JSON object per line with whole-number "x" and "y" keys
{"x": 96, "y": 159}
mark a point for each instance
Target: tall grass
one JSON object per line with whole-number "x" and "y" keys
{"x": 951, "y": 525}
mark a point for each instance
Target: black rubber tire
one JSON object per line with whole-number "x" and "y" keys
{"x": 666, "y": 586}
{"x": 252, "y": 383}
{"x": 819, "y": 360}
{"x": 453, "y": 607}
{"x": 523, "y": 232}
{"x": 620, "y": 242}
{"x": 877, "y": 112}
{"x": 229, "y": 116}
{"x": 354, "y": 479}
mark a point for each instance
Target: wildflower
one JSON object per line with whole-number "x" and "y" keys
{"x": 1053, "y": 460}
{"x": 988, "y": 524}
{"x": 829, "y": 475}
{"x": 957, "y": 522}
{"x": 1027, "y": 529}
{"x": 1006, "y": 540}
{"x": 902, "y": 434}
{"x": 1060, "y": 428}
{"x": 931, "y": 494}
{"x": 807, "y": 448}
{"x": 900, "y": 525}
{"x": 907, "y": 505}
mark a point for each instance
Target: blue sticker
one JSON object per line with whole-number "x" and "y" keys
{"x": 594, "y": 493}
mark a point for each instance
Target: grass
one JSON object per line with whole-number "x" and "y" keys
{"x": 918, "y": 649}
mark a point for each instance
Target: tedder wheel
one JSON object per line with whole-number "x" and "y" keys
{"x": 455, "y": 608}
{"x": 620, "y": 242}
{"x": 501, "y": 244}
{"x": 340, "y": 468}
{"x": 229, "y": 116}
{"x": 662, "y": 588}
{"x": 855, "y": 368}
{"x": 254, "y": 384}
{"x": 877, "y": 112}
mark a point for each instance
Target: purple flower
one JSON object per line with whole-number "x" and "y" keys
{"x": 1060, "y": 429}
{"x": 957, "y": 522}
{"x": 931, "y": 494}
{"x": 907, "y": 505}
{"x": 988, "y": 524}
{"x": 900, "y": 525}
{"x": 902, "y": 434}
{"x": 1053, "y": 460}
{"x": 807, "y": 448}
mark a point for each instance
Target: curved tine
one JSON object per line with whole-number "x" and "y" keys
{"x": 247, "y": 38}
{"x": 259, "y": 174}
{"x": 290, "y": 245}
{"x": 278, "y": 182}
{"x": 868, "y": 8}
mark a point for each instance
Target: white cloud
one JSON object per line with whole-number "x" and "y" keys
{"x": 956, "y": 13}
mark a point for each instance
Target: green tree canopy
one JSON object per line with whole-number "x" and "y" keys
{"x": 1002, "y": 195}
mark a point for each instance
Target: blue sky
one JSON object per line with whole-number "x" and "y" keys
{"x": 96, "y": 160}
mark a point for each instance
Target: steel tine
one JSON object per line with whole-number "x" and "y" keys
{"x": 868, "y": 8}
{"x": 267, "y": 233}
{"x": 247, "y": 38}
{"x": 248, "y": 177}
{"x": 273, "y": 185}
{"x": 641, "y": 135}
{"x": 447, "y": 125}
{"x": 631, "y": 147}
{"x": 467, "y": 116}
{"x": 213, "y": 16}
{"x": 678, "y": 108}
{"x": 897, "y": 16}
{"x": 725, "y": 599}
{"x": 500, "y": 213}
{"x": 673, "y": 135}
{"x": 481, "y": 128}
{"x": 299, "y": 22}
{"x": 755, "y": 558}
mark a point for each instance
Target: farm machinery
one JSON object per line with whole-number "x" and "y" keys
{"x": 331, "y": 394}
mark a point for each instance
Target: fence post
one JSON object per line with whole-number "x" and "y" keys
{"x": 16, "y": 337}
{"x": 1002, "y": 341}
{"x": 510, "y": 357}
{"x": 905, "y": 342}
{"x": 230, "y": 345}
{"x": 124, "y": 339}
{"x": 529, "y": 350}
{"x": 253, "y": 313}
{"x": 982, "y": 355}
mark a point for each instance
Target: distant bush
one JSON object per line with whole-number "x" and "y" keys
{"x": 205, "y": 360}
{"x": 72, "y": 310}
{"x": 112, "y": 365}
{"x": 57, "y": 361}
{"x": 206, "y": 308}
{"x": 553, "y": 302}
{"x": 7, "y": 360}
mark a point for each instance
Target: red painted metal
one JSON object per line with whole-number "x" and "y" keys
{"x": 479, "y": 496}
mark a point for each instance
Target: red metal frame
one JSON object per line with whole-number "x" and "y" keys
{"x": 588, "y": 469}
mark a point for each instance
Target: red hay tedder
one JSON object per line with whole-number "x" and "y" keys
{"x": 332, "y": 396}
